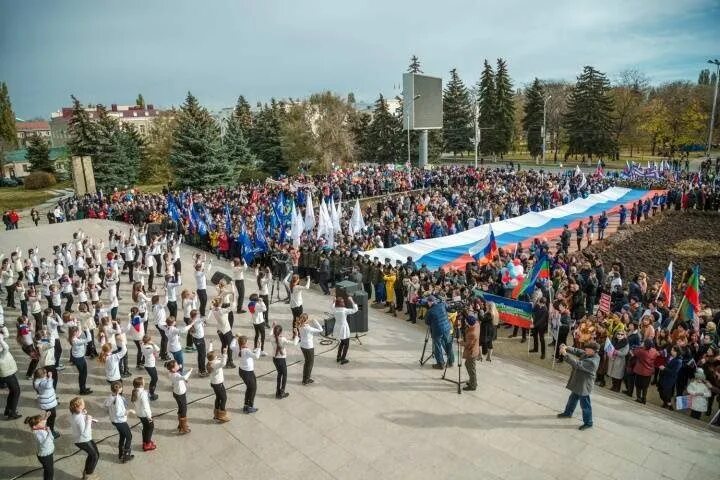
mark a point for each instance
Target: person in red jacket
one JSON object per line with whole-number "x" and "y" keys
{"x": 644, "y": 368}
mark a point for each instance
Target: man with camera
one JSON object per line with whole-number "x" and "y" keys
{"x": 584, "y": 363}
{"x": 437, "y": 319}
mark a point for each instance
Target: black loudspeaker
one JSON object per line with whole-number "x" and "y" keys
{"x": 329, "y": 326}
{"x": 358, "y": 322}
{"x": 153, "y": 229}
{"x": 346, "y": 289}
{"x": 217, "y": 276}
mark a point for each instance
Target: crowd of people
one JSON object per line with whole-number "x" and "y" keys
{"x": 65, "y": 304}
{"x": 75, "y": 290}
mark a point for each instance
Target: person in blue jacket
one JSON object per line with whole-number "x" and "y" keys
{"x": 668, "y": 377}
{"x": 437, "y": 319}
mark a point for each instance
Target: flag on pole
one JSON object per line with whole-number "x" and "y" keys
{"x": 260, "y": 238}
{"x": 512, "y": 312}
{"x": 485, "y": 250}
{"x": 248, "y": 252}
{"x": 309, "y": 214}
{"x": 599, "y": 170}
{"x": 228, "y": 222}
{"x": 541, "y": 270}
{"x": 666, "y": 287}
{"x": 690, "y": 304}
{"x": 334, "y": 215}
{"x": 297, "y": 226}
{"x": 583, "y": 182}
{"x": 609, "y": 349}
{"x": 357, "y": 224}
{"x": 578, "y": 172}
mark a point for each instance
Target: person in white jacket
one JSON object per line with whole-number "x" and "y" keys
{"x": 292, "y": 284}
{"x": 307, "y": 332}
{"x": 111, "y": 361}
{"x": 215, "y": 365}
{"x": 246, "y": 370}
{"x": 179, "y": 388}
{"x": 135, "y": 331}
{"x": 257, "y": 308}
{"x": 280, "y": 358}
{"x": 116, "y": 405}
{"x": 8, "y": 376}
{"x": 221, "y": 317}
{"x": 150, "y": 351}
{"x": 81, "y": 424}
{"x": 341, "y": 330}
{"x": 141, "y": 401}
{"x": 699, "y": 392}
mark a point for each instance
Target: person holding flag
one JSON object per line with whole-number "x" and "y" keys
{"x": 690, "y": 305}
{"x": 666, "y": 288}
{"x": 485, "y": 250}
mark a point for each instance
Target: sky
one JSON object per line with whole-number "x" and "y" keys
{"x": 107, "y": 52}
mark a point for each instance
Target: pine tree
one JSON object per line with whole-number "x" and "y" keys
{"x": 457, "y": 116}
{"x": 244, "y": 115}
{"x": 140, "y": 101}
{"x": 38, "y": 155}
{"x": 197, "y": 157}
{"x": 487, "y": 110}
{"x": 264, "y": 139}
{"x": 235, "y": 143}
{"x": 82, "y": 131}
{"x": 109, "y": 157}
{"x": 384, "y": 132}
{"x": 414, "y": 66}
{"x": 704, "y": 77}
{"x": 134, "y": 149}
{"x": 533, "y": 120}
{"x": 360, "y": 128}
{"x": 8, "y": 133}
{"x": 504, "y": 109}
{"x": 589, "y": 118}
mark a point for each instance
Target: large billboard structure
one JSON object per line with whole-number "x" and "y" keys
{"x": 422, "y": 108}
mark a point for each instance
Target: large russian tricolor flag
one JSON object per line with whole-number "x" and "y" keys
{"x": 453, "y": 250}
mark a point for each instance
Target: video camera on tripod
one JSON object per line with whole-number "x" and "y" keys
{"x": 280, "y": 264}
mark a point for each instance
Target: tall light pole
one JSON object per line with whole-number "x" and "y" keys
{"x": 477, "y": 140}
{"x": 715, "y": 62}
{"x": 544, "y": 132}
{"x": 409, "y": 122}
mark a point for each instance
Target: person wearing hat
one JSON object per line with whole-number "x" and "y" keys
{"x": 471, "y": 348}
{"x": 437, "y": 319}
{"x": 584, "y": 363}
{"x": 699, "y": 393}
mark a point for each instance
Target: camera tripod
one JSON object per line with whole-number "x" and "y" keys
{"x": 275, "y": 288}
{"x": 457, "y": 382}
{"x": 423, "y": 358}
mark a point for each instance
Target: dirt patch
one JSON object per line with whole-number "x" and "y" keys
{"x": 685, "y": 238}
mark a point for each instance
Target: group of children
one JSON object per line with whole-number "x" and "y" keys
{"x": 95, "y": 331}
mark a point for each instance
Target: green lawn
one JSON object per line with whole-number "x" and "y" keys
{"x": 19, "y": 198}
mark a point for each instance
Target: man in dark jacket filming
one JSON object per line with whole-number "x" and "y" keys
{"x": 584, "y": 363}
{"x": 437, "y": 319}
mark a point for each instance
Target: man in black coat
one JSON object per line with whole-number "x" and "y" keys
{"x": 540, "y": 324}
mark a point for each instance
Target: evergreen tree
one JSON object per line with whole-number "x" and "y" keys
{"x": 589, "y": 119}
{"x": 8, "y": 133}
{"x": 384, "y": 132}
{"x": 264, "y": 139}
{"x": 414, "y": 66}
{"x": 704, "y": 77}
{"x": 360, "y": 128}
{"x": 351, "y": 98}
{"x": 487, "y": 110}
{"x": 38, "y": 155}
{"x": 82, "y": 131}
{"x": 140, "y": 101}
{"x": 111, "y": 165}
{"x": 235, "y": 143}
{"x": 533, "y": 120}
{"x": 457, "y": 116}
{"x": 197, "y": 154}
{"x": 243, "y": 115}
{"x": 134, "y": 149}
{"x": 504, "y": 109}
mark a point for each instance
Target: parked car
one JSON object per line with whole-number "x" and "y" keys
{"x": 8, "y": 182}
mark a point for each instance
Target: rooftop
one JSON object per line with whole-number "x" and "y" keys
{"x": 31, "y": 126}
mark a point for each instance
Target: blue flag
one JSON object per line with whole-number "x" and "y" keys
{"x": 260, "y": 239}
{"x": 248, "y": 252}
{"x": 228, "y": 222}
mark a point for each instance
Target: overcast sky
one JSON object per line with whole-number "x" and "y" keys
{"x": 109, "y": 51}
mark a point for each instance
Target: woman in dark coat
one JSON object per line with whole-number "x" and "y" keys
{"x": 489, "y": 320}
{"x": 668, "y": 377}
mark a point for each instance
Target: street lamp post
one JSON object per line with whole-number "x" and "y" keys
{"x": 544, "y": 132}
{"x": 715, "y": 62}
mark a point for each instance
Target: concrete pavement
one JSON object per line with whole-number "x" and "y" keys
{"x": 380, "y": 416}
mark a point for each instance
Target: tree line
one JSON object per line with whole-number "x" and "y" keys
{"x": 592, "y": 118}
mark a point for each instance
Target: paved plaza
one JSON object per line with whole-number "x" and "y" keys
{"x": 380, "y": 416}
